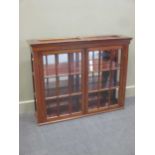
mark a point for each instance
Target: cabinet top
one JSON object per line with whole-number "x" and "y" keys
{"x": 78, "y": 39}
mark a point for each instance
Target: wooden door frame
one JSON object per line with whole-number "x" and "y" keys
{"x": 122, "y": 76}
{"x": 42, "y": 104}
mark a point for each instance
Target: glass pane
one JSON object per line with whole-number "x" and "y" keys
{"x": 62, "y": 83}
{"x": 49, "y": 67}
{"x": 109, "y": 97}
{"x": 93, "y": 81}
{"x": 103, "y": 78}
{"x": 50, "y": 86}
{"x": 93, "y": 99}
{"x": 93, "y": 60}
{"x": 114, "y": 96}
{"x": 103, "y": 69}
{"x": 110, "y": 79}
{"x": 62, "y": 64}
{"x": 64, "y": 106}
{"x": 52, "y": 107}
{"x": 76, "y": 103}
{"x": 75, "y": 83}
{"x": 104, "y": 98}
{"x": 93, "y": 68}
{"x": 110, "y": 59}
{"x": 75, "y": 59}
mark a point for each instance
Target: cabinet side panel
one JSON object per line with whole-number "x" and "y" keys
{"x": 33, "y": 82}
{"x": 123, "y": 74}
{"x": 41, "y": 115}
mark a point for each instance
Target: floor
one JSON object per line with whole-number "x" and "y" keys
{"x": 109, "y": 133}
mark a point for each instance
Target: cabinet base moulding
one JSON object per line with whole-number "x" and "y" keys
{"x": 50, "y": 121}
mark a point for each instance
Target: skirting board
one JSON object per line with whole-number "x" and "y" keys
{"x": 28, "y": 105}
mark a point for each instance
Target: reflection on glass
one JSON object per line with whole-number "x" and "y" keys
{"x": 62, "y": 64}
{"x": 93, "y": 100}
{"x": 103, "y": 77}
{"x": 93, "y": 59}
{"x": 93, "y": 81}
{"x": 76, "y": 102}
{"x": 50, "y": 86}
{"x": 52, "y": 109}
{"x": 102, "y": 99}
{"x": 63, "y": 106}
{"x": 63, "y": 85}
{"x": 103, "y": 69}
{"x": 75, "y": 83}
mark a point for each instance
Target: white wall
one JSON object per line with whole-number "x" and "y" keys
{"x": 71, "y": 18}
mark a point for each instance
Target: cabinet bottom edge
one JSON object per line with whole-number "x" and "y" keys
{"x": 50, "y": 121}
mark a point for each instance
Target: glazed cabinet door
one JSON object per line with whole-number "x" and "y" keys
{"x": 104, "y": 66}
{"x": 62, "y": 80}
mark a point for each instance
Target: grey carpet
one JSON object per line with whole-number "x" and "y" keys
{"x": 109, "y": 133}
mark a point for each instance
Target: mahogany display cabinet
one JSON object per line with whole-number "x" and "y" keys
{"x": 80, "y": 76}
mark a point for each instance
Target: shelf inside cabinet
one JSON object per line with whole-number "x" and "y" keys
{"x": 104, "y": 65}
{"x": 62, "y": 69}
{"x": 103, "y": 89}
{"x": 63, "y": 96}
{"x": 50, "y": 71}
{"x": 66, "y": 86}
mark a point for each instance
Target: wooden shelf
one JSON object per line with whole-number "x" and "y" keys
{"x": 50, "y": 71}
{"x": 61, "y": 75}
{"x": 105, "y": 65}
{"x": 63, "y": 96}
{"x": 103, "y": 89}
{"x": 51, "y": 93}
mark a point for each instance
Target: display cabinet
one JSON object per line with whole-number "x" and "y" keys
{"x": 76, "y": 77}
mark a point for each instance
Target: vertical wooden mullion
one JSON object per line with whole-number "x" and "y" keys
{"x": 85, "y": 80}
{"x": 116, "y": 68}
{"x": 116, "y": 57}
{"x": 104, "y": 94}
{"x": 77, "y": 80}
{"x": 93, "y": 67}
{"x": 57, "y": 83}
{"x": 79, "y": 72}
{"x": 101, "y": 76}
{"x": 47, "y": 74}
{"x": 70, "y": 80}
{"x": 46, "y": 60}
{"x": 111, "y": 77}
{"x": 99, "y": 79}
{"x": 101, "y": 67}
{"x": 114, "y": 73}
